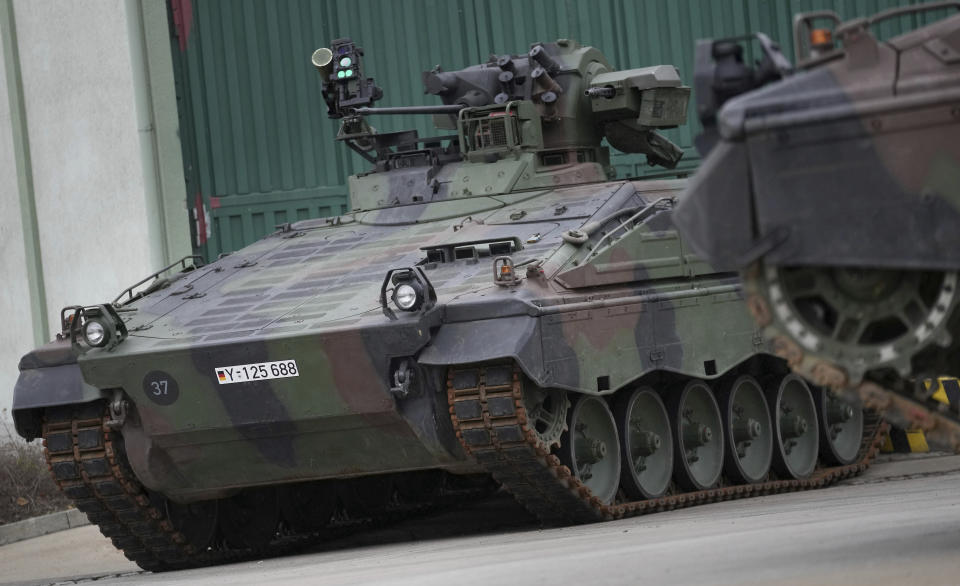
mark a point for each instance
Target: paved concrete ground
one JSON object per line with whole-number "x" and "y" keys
{"x": 37, "y": 526}
{"x": 898, "y": 523}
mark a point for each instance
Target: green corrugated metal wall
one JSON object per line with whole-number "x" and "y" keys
{"x": 257, "y": 143}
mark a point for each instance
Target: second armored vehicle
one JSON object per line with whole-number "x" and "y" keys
{"x": 495, "y": 304}
{"x": 837, "y": 190}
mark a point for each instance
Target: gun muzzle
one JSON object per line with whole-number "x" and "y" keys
{"x": 600, "y": 92}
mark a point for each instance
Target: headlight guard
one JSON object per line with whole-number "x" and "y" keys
{"x": 408, "y": 289}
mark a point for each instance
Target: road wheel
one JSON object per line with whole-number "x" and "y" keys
{"x": 748, "y": 430}
{"x": 841, "y": 428}
{"x": 646, "y": 445}
{"x": 698, "y": 435}
{"x": 796, "y": 437}
{"x": 589, "y": 447}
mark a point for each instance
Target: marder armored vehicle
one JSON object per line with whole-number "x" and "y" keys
{"x": 495, "y": 304}
{"x": 836, "y": 189}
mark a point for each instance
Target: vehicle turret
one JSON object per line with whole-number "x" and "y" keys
{"x": 548, "y": 109}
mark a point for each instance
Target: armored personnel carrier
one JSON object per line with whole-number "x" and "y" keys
{"x": 496, "y": 304}
{"x": 836, "y": 189}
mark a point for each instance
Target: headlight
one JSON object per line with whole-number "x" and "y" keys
{"x": 407, "y": 296}
{"x": 94, "y": 326}
{"x": 95, "y": 333}
{"x": 407, "y": 289}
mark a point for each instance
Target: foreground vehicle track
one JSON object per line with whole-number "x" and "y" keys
{"x": 87, "y": 460}
{"x": 905, "y": 402}
{"x": 499, "y": 436}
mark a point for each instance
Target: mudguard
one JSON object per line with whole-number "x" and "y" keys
{"x": 517, "y": 337}
{"x": 48, "y": 387}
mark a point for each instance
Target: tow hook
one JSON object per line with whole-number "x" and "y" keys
{"x": 118, "y": 410}
{"x": 402, "y": 379}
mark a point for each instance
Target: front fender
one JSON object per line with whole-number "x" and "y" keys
{"x": 517, "y": 337}
{"x": 38, "y": 388}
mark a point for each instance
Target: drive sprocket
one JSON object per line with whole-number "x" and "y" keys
{"x": 856, "y": 319}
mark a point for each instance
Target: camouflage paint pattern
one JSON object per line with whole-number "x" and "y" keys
{"x": 879, "y": 120}
{"x": 626, "y": 300}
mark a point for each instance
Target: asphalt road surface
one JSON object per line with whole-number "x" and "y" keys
{"x": 899, "y": 523}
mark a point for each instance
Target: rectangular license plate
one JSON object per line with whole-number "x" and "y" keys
{"x": 244, "y": 373}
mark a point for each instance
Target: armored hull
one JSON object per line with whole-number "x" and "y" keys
{"x": 309, "y": 296}
{"x": 503, "y": 310}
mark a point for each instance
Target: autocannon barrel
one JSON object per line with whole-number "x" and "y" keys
{"x": 600, "y": 92}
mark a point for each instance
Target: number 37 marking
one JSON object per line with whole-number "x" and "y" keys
{"x": 159, "y": 387}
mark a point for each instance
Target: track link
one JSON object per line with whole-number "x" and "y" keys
{"x": 490, "y": 421}
{"x": 88, "y": 464}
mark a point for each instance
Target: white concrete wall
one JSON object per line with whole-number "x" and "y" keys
{"x": 16, "y": 337}
{"x": 98, "y": 232}
{"x": 84, "y": 148}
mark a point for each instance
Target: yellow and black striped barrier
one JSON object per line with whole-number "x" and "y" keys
{"x": 913, "y": 440}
